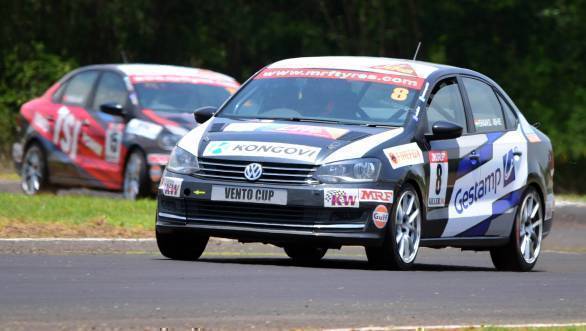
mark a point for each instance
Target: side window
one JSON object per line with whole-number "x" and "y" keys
{"x": 58, "y": 95}
{"x": 510, "y": 117}
{"x": 79, "y": 88}
{"x": 445, "y": 104}
{"x": 486, "y": 109}
{"x": 111, "y": 89}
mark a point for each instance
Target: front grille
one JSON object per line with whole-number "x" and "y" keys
{"x": 272, "y": 172}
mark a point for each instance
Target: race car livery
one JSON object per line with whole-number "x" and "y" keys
{"x": 389, "y": 154}
{"x": 112, "y": 126}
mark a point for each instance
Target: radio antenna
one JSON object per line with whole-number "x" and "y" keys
{"x": 416, "y": 51}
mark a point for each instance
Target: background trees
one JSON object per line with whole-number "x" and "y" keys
{"x": 535, "y": 49}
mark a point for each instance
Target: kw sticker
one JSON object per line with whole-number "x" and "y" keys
{"x": 438, "y": 178}
{"x": 262, "y": 149}
{"x": 171, "y": 186}
{"x": 341, "y": 198}
{"x": 404, "y": 155}
{"x": 368, "y": 195}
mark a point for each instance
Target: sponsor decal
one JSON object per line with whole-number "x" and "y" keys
{"x": 490, "y": 184}
{"x": 137, "y": 79}
{"x": 171, "y": 186}
{"x": 404, "y": 155}
{"x": 262, "y": 149}
{"x": 361, "y": 147}
{"x": 533, "y": 137}
{"x": 438, "y": 178}
{"x": 303, "y": 130}
{"x": 91, "y": 144}
{"x": 113, "y": 142}
{"x": 143, "y": 128}
{"x": 354, "y": 75}
{"x": 341, "y": 198}
{"x": 401, "y": 69}
{"x": 67, "y": 131}
{"x": 41, "y": 124}
{"x": 368, "y": 195}
{"x": 400, "y": 94}
{"x": 249, "y": 194}
{"x": 380, "y": 216}
{"x": 159, "y": 159}
{"x": 488, "y": 122}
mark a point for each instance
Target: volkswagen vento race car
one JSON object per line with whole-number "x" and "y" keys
{"x": 112, "y": 126}
{"x": 392, "y": 155}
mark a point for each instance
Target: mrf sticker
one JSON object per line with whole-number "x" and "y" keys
{"x": 438, "y": 178}
{"x": 380, "y": 216}
{"x": 171, "y": 186}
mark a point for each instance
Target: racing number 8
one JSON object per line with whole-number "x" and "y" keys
{"x": 438, "y": 179}
{"x": 400, "y": 94}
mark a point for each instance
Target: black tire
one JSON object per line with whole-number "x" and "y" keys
{"x": 512, "y": 257}
{"x": 388, "y": 255}
{"x": 181, "y": 246}
{"x": 34, "y": 173}
{"x": 305, "y": 254}
{"x": 136, "y": 180}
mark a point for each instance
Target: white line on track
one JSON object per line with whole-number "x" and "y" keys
{"x": 460, "y": 327}
{"x": 463, "y": 326}
{"x": 131, "y": 240}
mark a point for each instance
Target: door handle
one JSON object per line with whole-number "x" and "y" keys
{"x": 517, "y": 153}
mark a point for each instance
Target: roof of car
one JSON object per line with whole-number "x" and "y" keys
{"x": 363, "y": 63}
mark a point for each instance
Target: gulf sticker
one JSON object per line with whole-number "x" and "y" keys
{"x": 369, "y": 195}
{"x": 304, "y": 130}
{"x": 341, "y": 198}
{"x": 404, "y": 155}
{"x": 438, "y": 178}
{"x": 380, "y": 216}
{"x": 171, "y": 186}
{"x": 355, "y": 75}
{"x": 401, "y": 69}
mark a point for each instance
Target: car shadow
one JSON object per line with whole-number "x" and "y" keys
{"x": 333, "y": 263}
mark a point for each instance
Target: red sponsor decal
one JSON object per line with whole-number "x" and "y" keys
{"x": 438, "y": 157}
{"x": 380, "y": 216}
{"x": 363, "y": 76}
{"x": 376, "y": 195}
{"x": 159, "y": 159}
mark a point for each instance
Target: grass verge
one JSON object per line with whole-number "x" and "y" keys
{"x": 74, "y": 216}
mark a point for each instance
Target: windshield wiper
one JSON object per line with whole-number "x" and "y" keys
{"x": 301, "y": 119}
{"x": 372, "y": 125}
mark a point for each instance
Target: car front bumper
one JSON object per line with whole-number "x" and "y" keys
{"x": 304, "y": 219}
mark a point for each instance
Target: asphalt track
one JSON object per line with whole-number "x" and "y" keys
{"x": 125, "y": 284}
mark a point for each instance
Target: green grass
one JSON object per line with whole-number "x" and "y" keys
{"x": 571, "y": 197}
{"x": 8, "y": 174}
{"x": 104, "y": 215}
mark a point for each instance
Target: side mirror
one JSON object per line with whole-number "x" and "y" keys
{"x": 445, "y": 130}
{"x": 204, "y": 113}
{"x": 114, "y": 109}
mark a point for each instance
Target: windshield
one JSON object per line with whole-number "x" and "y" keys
{"x": 180, "y": 97}
{"x": 357, "y": 98}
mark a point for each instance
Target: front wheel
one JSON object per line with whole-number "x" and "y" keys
{"x": 181, "y": 246}
{"x": 136, "y": 181}
{"x": 401, "y": 242}
{"x": 522, "y": 251}
{"x": 305, "y": 254}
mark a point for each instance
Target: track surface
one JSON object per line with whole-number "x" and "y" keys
{"x": 259, "y": 287}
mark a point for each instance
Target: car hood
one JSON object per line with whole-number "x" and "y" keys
{"x": 284, "y": 141}
{"x": 170, "y": 119}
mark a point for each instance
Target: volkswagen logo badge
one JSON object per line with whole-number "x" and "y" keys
{"x": 253, "y": 171}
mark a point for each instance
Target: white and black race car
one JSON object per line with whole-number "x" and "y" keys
{"x": 392, "y": 155}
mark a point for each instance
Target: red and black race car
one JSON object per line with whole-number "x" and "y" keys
{"x": 111, "y": 126}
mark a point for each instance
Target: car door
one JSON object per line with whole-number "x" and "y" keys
{"x": 503, "y": 170}
{"x": 103, "y": 141}
{"x": 69, "y": 118}
{"x": 445, "y": 156}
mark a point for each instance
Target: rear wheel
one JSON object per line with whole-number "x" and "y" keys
{"x": 34, "y": 175}
{"x": 401, "y": 243}
{"x": 181, "y": 246}
{"x": 136, "y": 181}
{"x": 522, "y": 251}
{"x": 305, "y": 255}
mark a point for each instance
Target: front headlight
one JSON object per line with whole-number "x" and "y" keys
{"x": 183, "y": 162}
{"x": 351, "y": 171}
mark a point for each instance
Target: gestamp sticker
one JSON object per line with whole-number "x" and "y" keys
{"x": 380, "y": 216}
{"x": 341, "y": 198}
{"x": 404, "y": 155}
{"x": 171, "y": 186}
